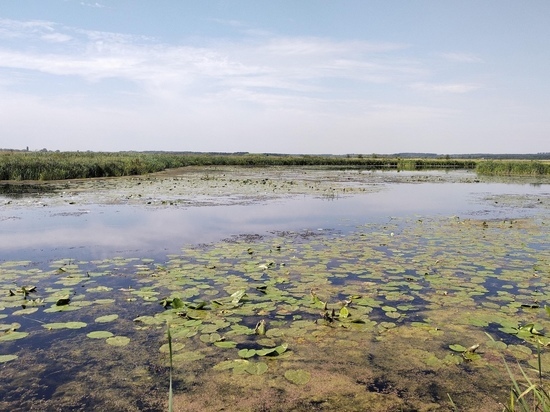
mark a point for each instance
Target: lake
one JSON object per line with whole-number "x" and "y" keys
{"x": 298, "y": 288}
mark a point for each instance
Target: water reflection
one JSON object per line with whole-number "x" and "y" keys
{"x": 100, "y": 231}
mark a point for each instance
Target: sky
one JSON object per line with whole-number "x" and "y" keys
{"x": 276, "y": 76}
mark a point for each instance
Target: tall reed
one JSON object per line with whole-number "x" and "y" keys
{"x": 74, "y": 165}
{"x": 513, "y": 168}
{"x": 170, "y": 391}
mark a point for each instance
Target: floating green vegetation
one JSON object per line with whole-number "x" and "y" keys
{"x": 100, "y": 334}
{"x": 298, "y": 376}
{"x": 7, "y": 358}
{"x": 367, "y": 310}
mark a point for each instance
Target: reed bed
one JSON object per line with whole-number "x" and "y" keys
{"x": 513, "y": 168}
{"x": 74, "y": 165}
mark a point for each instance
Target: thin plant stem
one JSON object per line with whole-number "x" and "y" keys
{"x": 170, "y": 391}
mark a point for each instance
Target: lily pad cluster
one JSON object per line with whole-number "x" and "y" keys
{"x": 252, "y": 305}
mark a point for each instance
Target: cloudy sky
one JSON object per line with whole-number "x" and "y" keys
{"x": 285, "y": 76}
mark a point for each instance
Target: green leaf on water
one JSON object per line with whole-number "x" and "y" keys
{"x": 237, "y": 296}
{"x": 278, "y": 350}
{"x": 224, "y": 365}
{"x": 118, "y": 340}
{"x": 7, "y": 358}
{"x": 247, "y": 353}
{"x": 281, "y": 348}
{"x": 63, "y": 308}
{"x": 344, "y": 312}
{"x": 27, "y": 311}
{"x": 471, "y": 356}
{"x": 257, "y": 368}
{"x": 195, "y": 305}
{"x": 176, "y": 346}
{"x": 99, "y": 334}
{"x": 9, "y": 327}
{"x": 227, "y": 344}
{"x": 211, "y": 338}
{"x": 148, "y": 320}
{"x": 457, "y": 348}
{"x": 209, "y": 328}
{"x": 177, "y": 303}
{"x": 106, "y": 318}
{"x": 265, "y": 352}
{"x": 298, "y": 376}
{"x": 13, "y": 336}
{"x": 64, "y": 325}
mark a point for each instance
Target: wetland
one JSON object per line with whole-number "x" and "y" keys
{"x": 285, "y": 288}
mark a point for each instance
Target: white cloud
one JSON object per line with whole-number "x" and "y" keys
{"x": 288, "y": 65}
{"x": 462, "y": 57}
{"x": 94, "y": 5}
{"x": 56, "y": 37}
{"x": 14, "y": 29}
{"x": 457, "y": 88}
{"x": 258, "y": 93}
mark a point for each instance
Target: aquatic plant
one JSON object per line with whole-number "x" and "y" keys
{"x": 513, "y": 168}
{"x": 170, "y": 353}
{"x": 321, "y": 297}
{"x": 529, "y": 396}
{"x": 73, "y": 165}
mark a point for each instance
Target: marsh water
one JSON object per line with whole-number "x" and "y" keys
{"x": 364, "y": 284}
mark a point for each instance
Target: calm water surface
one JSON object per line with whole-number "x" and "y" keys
{"x": 100, "y": 231}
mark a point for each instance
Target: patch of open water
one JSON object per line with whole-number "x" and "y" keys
{"x": 98, "y": 231}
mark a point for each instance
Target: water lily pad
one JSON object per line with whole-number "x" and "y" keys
{"x": 149, "y": 320}
{"x": 247, "y": 353}
{"x": 62, "y": 308}
{"x": 9, "y": 326}
{"x": 225, "y": 344}
{"x": 457, "y": 348}
{"x": 118, "y": 340}
{"x": 64, "y": 325}
{"x": 344, "y": 312}
{"x": 257, "y": 368}
{"x": 106, "y": 318}
{"x": 13, "y": 336}
{"x": 298, "y": 376}
{"x": 176, "y": 346}
{"x": 27, "y": 311}
{"x": 7, "y": 358}
{"x": 99, "y": 334}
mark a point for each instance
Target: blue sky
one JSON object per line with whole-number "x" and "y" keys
{"x": 287, "y": 76}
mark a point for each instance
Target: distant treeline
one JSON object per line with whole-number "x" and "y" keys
{"x": 44, "y": 165}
